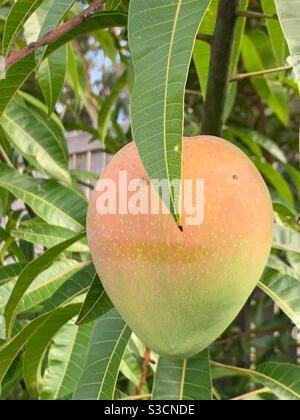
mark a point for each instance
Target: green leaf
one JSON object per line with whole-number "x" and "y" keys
{"x": 54, "y": 203}
{"x": 107, "y": 43}
{"x": 277, "y": 264}
{"x": 51, "y": 76}
{"x": 108, "y": 343}
{"x": 19, "y": 13}
{"x": 38, "y": 344}
{"x": 289, "y": 17}
{"x": 258, "y": 55}
{"x": 276, "y": 35}
{"x": 73, "y": 71}
{"x": 161, "y": 38}
{"x": 286, "y": 239}
{"x": 96, "y": 304}
{"x": 106, "y": 109}
{"x": 10, "y": 272}
{"x": 30, "y": 272}
{"x": 284, "y": 291}
{"x": 281, "y": 378}
{"x": 275, "y": 179}
{"x": 10, "y": 350}
{"x": 112, "y": 4}
{"x": 43, "y": 287}
{"x": 34, "y": 138}
{"x": 47, "y": 235}
{"x": 263, "y": 141}
{"x": 131, "y": 369}
{"x": 66, "y": 361}
{"x": 202, "y": 49}
{"x": 19, "y": 72}
{"x": 188, "y": 379}
{"x": 295, "y": 176}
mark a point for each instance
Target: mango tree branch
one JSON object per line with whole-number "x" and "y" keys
{"x": 55, "y": 34}
{"x": 241, "y": 76}
{"x": 220, "y": 66}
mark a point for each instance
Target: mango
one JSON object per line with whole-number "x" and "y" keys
{"x": 179, "y": 290}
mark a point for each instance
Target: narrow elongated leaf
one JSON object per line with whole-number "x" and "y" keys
{"x": 107, "y": 43}
{"x": 18, "y": 15}
{"x": 276, "y": 179}
{"x": 276, "y": 35}
{"x": 263, "y": 141}
{"x": 161, "y": 37}
{"x": 281, "y": 378}
{"x": 10, "y": 272}
{"x": 51, "y": 76}
{"x": 202, "y": 49}
{"x": 284, "y": 290}
{"x": 279, "y": 265}
{"x": 43, "y": 287}
{"x": 96, "y": 304}
{"x": 66, "y": 361}
{"x": 77, "y": 285}
{"x": 188, "y": 379}
{"x": 30, "y": 272}
{"x": 33, "y": 137}
{"x": 10, "y": 350}
{"x": 106, "y": 109}
{"x": 286, "y": 239}
{"x": 73, "y": 71}
{"x": 108, "y": 343}
{"x": 289, "y": 17}
{"x": 51, "y": 201}
{"x": 38, "y": 344}
{"x": 19, "y": 72}
{"x": 258, "y": 55}
{"x": 47, "y": 235}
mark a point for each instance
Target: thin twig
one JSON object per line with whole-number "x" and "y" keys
{"x": 249, "y": 394}
{"x": 205, "y": 37}
{"x": 136, "y": 397}
{"x": 145, "y": 370}
{"x": 193, "y": 92}
{"x": 241, "y": 76}
{"x": 257, "y": 15}
{"x": 56, "y": 33}
{"x": 251, "y": 333}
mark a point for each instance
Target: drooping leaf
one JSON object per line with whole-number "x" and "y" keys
{"x": 34, "y": 138}
{"x": 47, "y": 235}
{"x": 284, "y": 290}
{"x": 107, "y": 43}
{"x": 10, "y": 272}
{"x": 277, "y": 38}
{"x": 66, "y": 361}
{"x": 278, "y": 264}
{"x": 281, "y": 378}
{"x": 19, "y": 72}
{"x": 73, "y": 71}
{"x": 258, "y": 55}
{"x": 52, "y": 202}
{"x": 38, "y": 344}
{"x": 77, "y": 285}
{"x": 108, "y": 343}
{"x": 276, "y": 179}
{"x": 30, "y": 272}
{"x": 44, "y": 286}
{"x": 161, "y": 38}
{"x": 96, "y": 304}
{"x": 286, "y": 239}
{"x": 188, "y": 379}
{"x": 289, "y": 17}
{"x": 51, "y": 76}
{"x": 106, "y": 109}
{"x": 18, "y": 15}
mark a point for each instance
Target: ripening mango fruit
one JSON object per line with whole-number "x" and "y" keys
{"x": 179, "y": 291}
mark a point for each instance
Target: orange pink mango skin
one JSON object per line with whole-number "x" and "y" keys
{"x": 179, "y": 291}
